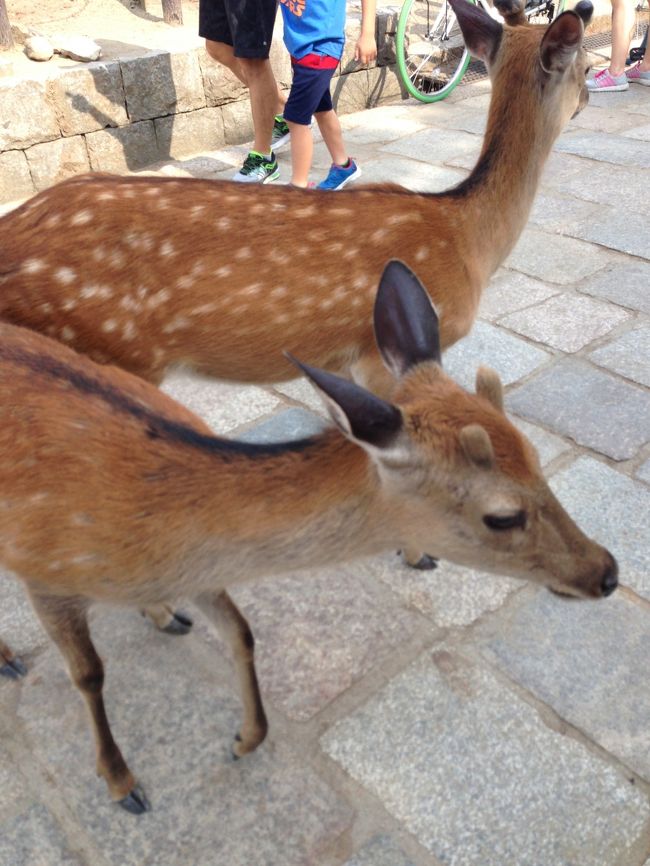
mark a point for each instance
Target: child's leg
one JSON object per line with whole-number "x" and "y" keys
{"x": 302, "y": 150}
{"x": 330, "y": 128}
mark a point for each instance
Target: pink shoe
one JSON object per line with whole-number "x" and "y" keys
{"x": 638, "y": 76}
{"x": 604, "y": 81}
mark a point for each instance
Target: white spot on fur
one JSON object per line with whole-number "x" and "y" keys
{"x": 185, "y": 282}
{"x": 96, "y": 291}
{"x": 177, "y": 324}
{"x": 253, "y": 289}
{"x": 279, "y": 292}
{"x": 421, "y": 254}
{"x": 67, "y": 333}
{"x": 65, "y": 275}
{"x": 167, "y": 248}
{"x": 129, "y": 331}
{"x": 33, "y": 266}
{"x": 81, "y": 218}
{"x": 223, "y": 271}
{"x": 378, "y": 235}
{"x": 396, "y": 219}
{"x": 158, "y": 298}
{"x": 196, "y": 210}
{"x": 243, "y": 253}
{"x": 109, "y": 325}
{"x": 46, "y": 308}
{"x": 204, "y": 308}
{"x": 223, "y": 223}
{"x": 282, "y": 319}
{"x": 53, "y": 221}
{"x": 105, "y": 196}
{"x": 117, "y": 258}
{"x": 69, "y": 305}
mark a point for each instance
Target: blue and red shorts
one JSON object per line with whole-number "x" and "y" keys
{"x": 310, "y": 88}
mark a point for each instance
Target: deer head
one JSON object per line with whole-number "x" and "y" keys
{"x": 459, "y": 480}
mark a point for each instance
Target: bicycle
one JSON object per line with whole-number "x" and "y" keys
{"x": 431, "y": 53}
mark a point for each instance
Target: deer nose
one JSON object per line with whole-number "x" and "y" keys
{"x": 610, "y": 578}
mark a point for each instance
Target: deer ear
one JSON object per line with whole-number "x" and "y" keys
{"x": 356, "y": 412}
{"x": 477, "y": 446}
{"x": 406, "y": 323}
{"x": 488, "y": 385}
{"x": 561, "y": 42}
{"x": 482, "y": 34}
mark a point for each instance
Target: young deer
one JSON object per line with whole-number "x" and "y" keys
{"x": 437, "y": 467}
{"x": 149, "y": 272}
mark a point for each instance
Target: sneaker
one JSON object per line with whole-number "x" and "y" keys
{"x": 603, "y": 81}
{"x": 258, "y": 168}
{"x": 280, "y": 135}
{"x": 638, "y": 76}
{"x": 340, "y": 175}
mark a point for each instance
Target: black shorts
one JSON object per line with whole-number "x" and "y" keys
{"x": 309, "y": 94}
{"x": 247, "y": 25}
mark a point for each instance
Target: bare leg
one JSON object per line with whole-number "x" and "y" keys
{"x": 302, "y": 151}
{"x": 644, "y": 65}
{"x": 330, "y": 128}
{"x": 66, "y": 622}
{"x": 622, "y": 24}
{"x": 233, "y": 626}
{"x": 10, "y": 665}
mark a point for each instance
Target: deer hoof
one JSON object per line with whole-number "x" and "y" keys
{"x": 135, "y": 802}
{"x": 180, "y": 623}
{"x": 13, "y": 668}
{"x": 424, "y": 563}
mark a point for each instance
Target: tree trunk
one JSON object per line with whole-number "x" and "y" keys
{"x": 172, "y": 11}
{"x": 6, "y": 39}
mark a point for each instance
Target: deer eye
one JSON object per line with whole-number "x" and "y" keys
{"x": 501, "y": 522}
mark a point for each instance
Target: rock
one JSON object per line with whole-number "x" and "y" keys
{"x": 76, "y": 47}
{"x": 38, "y": 48}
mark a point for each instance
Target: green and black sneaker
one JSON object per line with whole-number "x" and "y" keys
{"x": 281, "y": 134}
{"x": 258, "y": 168}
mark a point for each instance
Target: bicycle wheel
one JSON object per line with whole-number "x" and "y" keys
{"x": 431, "y": 53}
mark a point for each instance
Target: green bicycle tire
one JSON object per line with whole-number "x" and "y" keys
{"x": 433, "y": 95}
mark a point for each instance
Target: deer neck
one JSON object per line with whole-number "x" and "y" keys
{"x": 494, "y": 202}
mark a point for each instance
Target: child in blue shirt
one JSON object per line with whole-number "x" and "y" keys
{"x": 314, "y": 34}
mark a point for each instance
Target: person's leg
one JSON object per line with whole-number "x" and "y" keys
{"x": 330, "y": 128}
{"x": 622, "y": 24}
{"x": 302, "y": 151}
{"x": 225, "y": 54}
{"x": 265, "y": 100}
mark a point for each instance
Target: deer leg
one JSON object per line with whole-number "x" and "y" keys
{"x": 416, "y": 559}
{"x": 65, "y": 620}
{"x": 10, "y": 665}
{"x": 232, "y": 624}
{"x": 166, "y": 619}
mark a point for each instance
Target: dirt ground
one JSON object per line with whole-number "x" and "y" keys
{"x": 129, "y": 20}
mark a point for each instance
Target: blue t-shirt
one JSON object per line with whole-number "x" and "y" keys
{"x": 314, "y": 27}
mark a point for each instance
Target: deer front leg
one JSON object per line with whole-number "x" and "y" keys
{"x": 65, "y": 620}
{"x": 166, "y": 619}
{"x": 10, "y": 665}
{"x": 232, "y": 624}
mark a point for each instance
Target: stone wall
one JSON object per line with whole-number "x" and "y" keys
{"x": 127, "y": 114}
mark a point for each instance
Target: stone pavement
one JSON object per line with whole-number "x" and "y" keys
{"x": 417, "y": 719}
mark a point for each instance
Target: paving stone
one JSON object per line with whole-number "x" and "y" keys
{"x": 14, "y": 793}
{"x": 626, "y": 283}
{"x": 88, "y": 98}
{"x": 32, "y": 117}
{"x": 417, "y": 176}
{"x": 181, "y": 134}
{"x": 597, "y": 182}
{"x": 554, "y": 258}
{"x": 174, "y": 84}
{"x": 587, "y": 660}
{"x": 319, "y": 632}
{"x": 128, "y": 148}
{"x": 176, "y": 729}
{"x": 643, "y": 472}
{"x": 511, "y": 357}
{"x": 449, "y": 595}
{"x": 33, "y": 838}
{"x": 382, "y": 124}
{"x": 436, "y": 145}
{"x": 628, "y": 355}
{"x": 610, "y": 229}
{"x": 302, "y": 392}
{"x": 15, "y": 178}
{"x": 555, "y": 213}
{"x": 56, "y": 160}
{"x": 476, "y": 776}
{"x": 222, "y": 405}
{"x": 606, "y": 118}
{"x": 19, "y": 626}
{"x": 287, "y": 425}
{"x": 608, "y": 148}
{"x": 594, "y": 408}
{"x": 380, "y": 851}
{"x": 547, "y": 444}
{"x": 613, "y": 509}
{"x": 567, "y": 322}
{"x": 509, "y": 291}
{"x": 640, "y": 132}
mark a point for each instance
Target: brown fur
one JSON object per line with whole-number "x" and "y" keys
{"x": 110, "y": 491}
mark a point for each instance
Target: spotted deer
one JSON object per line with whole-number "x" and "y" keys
{"x": 434, "y": 467}
{"x": 149, "y": 272}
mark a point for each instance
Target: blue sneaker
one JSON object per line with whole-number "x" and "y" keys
{"x": 340, "y": 175}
